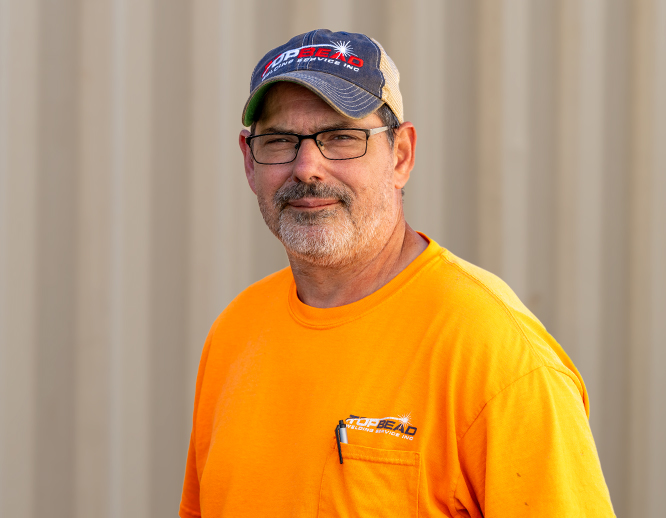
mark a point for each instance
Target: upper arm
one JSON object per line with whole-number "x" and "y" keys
{"x": 531, "y": 452}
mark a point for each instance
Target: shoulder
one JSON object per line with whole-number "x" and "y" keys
{"x": 470, "y": 288}
{"x": 257, "y": 299}
{"x": 489, "y": 309}
{"x": 491, "y": 336}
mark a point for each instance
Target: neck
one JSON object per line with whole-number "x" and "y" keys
{"x": 332, "y": 286}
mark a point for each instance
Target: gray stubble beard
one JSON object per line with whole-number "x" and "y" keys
{"x": 327, "y": 237}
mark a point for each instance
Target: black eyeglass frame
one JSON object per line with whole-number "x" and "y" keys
{"x": 368, "y": 133}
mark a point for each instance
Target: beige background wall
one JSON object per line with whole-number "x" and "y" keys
{"x": 126, "y": 225}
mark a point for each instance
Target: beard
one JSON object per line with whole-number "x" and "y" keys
{"x": 330, "y": 236}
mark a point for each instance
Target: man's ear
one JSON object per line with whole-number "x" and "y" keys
{"x": 247, "y": 159}
{"x": 404, "y": 148}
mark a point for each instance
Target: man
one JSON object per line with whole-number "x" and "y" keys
{"x": 379, "y": 375}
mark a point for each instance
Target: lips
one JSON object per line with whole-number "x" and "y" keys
{"x": 312, "y": 203}
{"x": 311, "y": 196}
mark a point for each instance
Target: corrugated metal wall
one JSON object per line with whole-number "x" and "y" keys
{"x": 126, "y": 225}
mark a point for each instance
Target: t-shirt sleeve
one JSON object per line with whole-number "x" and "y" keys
{"x": 530, "y": 452}
{"x": 189, "y": 503}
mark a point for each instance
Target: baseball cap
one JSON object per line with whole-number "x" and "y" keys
{"x": 350, "y": 71}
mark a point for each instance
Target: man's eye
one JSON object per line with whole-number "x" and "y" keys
{"x": 278, "y": 140}
{"x": 338, "y": 136}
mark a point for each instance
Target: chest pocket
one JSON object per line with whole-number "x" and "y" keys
{"x": 371, "y": 483}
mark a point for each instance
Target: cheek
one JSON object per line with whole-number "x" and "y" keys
{"x": 267, "y": 184}
{"x": 362, "y": 182}
{"x": 376, "y": 186}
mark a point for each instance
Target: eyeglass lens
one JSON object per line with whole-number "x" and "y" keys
{"x": 282, "y": 148}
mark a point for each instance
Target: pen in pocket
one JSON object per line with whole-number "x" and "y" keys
{"x": 341, "y": 436}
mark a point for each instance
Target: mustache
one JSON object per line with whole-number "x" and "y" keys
{"x": 311, "y": 190}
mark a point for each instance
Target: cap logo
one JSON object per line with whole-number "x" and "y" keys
{"x": 336, "y": 53}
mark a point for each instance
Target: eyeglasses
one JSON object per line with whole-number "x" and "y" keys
{"x": 334, "y": 144}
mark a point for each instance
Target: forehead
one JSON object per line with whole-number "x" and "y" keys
{"x": 291, "y": 106}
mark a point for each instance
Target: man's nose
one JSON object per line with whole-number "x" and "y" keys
{"x": 308, "y": 163}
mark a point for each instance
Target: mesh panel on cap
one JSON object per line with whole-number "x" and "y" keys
{"x": 391, "y": 92}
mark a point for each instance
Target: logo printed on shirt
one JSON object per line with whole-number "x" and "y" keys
{"x": 397, "y": 426}
{"x": 335, "y": 53}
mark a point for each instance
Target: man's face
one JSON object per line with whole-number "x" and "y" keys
{"x": 325, "y": 212}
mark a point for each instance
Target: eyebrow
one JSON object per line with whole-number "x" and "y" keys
{"x": 337, "y": 125}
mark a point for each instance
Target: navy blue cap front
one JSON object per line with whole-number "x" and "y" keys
{"x": 342, "y": 68}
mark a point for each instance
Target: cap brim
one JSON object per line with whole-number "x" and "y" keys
{"x": 344, "y": 97}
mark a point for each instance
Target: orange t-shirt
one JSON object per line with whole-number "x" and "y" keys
{"x": 456, "y": 399}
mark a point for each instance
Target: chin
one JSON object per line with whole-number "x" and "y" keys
{"x": 333, "y": 243}
{"x": 320, "y": 244}
{"x": 331, "y": 237}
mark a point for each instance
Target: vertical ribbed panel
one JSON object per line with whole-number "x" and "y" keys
{"x": 129, "y": 286}
{"x": 126, "y": 224}
{"x": 95, "y": 254}
{"x": 19, "y": 128}
{"x": 60, "y": 246}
